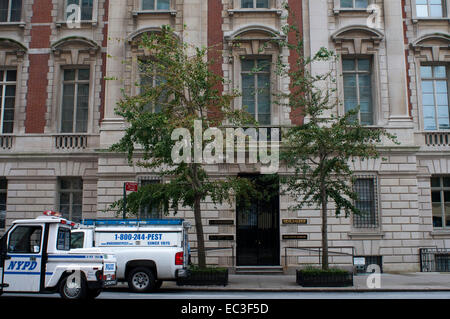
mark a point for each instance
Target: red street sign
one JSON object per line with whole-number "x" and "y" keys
{"x": 131, "y": 187}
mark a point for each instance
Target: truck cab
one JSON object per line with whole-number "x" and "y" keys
{"x": 36, "y": 257}
{"x": 148, "y": 252}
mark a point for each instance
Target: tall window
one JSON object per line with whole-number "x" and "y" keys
{"x": 3, "y": 196}
{"x": 256, "y": 89}
{"x": 440, "y": 198}
{"x": 86, "y": 8}
{"x": 255, "y": 4}
{"x": 366, "y": 203}
{"x": 354, "y": 4}
{"x": 430, "y": 8}
{"x": 8, "y": 80}
{"x": 358, "y": 88}
{"x": 435, "y": 97}
{"x": 149, "y": 212}
{"x": 71, "y": 198}
{"x": 75, "y": 101}
{"x": 10, "y": 10}
{"x": 155, "y": 4}
{"x": 149, "y": 78}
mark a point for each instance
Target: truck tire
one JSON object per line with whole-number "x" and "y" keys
{"x": 141, "y": 280}
{"x": 158, "y": 284}
{"x": 93, "y": 293}
{"x": 71, "y": 289}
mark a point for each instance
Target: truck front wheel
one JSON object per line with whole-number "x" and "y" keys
{"x": 141, "y": 280}
{"x": 73, "y": 288}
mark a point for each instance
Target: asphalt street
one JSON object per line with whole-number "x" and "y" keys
{"x": 232, "y": 295}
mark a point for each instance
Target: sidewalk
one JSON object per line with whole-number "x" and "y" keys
{"x": 389, "y": 282}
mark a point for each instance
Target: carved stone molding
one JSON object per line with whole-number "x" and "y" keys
{"x": 357, "y": 39}
{"x": 75, "y": 50}
{"x": 432, "y": 48}
{"x": 11, "y": 52}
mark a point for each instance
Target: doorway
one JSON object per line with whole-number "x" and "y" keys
{"x": 257, "y": 233}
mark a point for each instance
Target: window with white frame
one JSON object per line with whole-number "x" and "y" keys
{"x": 86, "y": 8}
{"x": 75, "y": 100}
{"x": 151, "y": 5}
{"x": 430, "y": 8}
{"x": 8, "y": 80}
{"x": 71, "y": 198}
{"x": 354, "y": 4}
{"x": 254, "y": 4}
{"x": 435, "y": 100}
{"x": 366, "y": 189}
{"x": 357, "y": 74}
{"x": 10, "y": 10}
{"x": 256, "y": 88}
{"x": 440, "y": 200}
{"x": 150, "y": 78}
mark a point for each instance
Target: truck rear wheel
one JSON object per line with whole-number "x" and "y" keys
{"x": 141, "y": 279}
{"x": 72, "y": 288}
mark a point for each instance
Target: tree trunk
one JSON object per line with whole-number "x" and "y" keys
{"x": 324, "y": 229}
{"x": 199, "y": 231}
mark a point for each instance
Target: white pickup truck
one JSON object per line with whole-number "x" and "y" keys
{"x": 35, "y": 257}
{"x": 148, "y": 252}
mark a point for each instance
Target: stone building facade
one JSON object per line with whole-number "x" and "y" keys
{"x": 393, "y": 61}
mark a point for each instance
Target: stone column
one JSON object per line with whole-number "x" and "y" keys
{"x": 112, "y": 126}
{"x": 396, "y": 64}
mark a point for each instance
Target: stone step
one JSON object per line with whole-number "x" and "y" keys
{"x": 259, "y": 270}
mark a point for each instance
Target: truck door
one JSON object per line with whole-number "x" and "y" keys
{"x": 2, "y": 260}
{"x": 22, "y": 265}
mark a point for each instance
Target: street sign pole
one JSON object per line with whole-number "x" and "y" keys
{"x": 128, "y": 187}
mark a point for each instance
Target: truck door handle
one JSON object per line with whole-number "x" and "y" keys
{"x": 32, "y": 258}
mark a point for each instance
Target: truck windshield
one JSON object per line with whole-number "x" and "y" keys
{"x": 76, "y": 240}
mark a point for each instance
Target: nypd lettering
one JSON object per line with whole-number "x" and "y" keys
{"x": 22, "y": 266}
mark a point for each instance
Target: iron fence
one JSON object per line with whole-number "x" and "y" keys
{"x": 312, "y": 256}
{"x": 434, "y": 259}
{"x": 216, "y": 256}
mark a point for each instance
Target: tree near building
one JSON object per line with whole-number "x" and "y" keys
{"x": 178, "y": 91}
{"x": 319, "y": 153}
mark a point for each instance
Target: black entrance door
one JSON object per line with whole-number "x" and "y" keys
{"x": 258, "y": 242}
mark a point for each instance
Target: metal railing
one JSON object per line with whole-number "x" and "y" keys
{"x": 434, "y": 259}
{"x": 312, "y": 256}
{"x": 215, "y": 256}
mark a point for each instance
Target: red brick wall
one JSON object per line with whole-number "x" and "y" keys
{"x": 37, "y": 82}
{"x": 104, "y": 61}
{"x": 215, "y": 43}
{"x": 37, "y": 93}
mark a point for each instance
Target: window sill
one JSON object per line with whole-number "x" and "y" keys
{"x": 19, "y": 24}
{"x": 352, "y": 10}
{"x": 440, "y": 233}
{"x": 93, "y": 23}
{"x": 173, "y": 13}
{"x": 366, "y": 235}
{"x": 418, "y": 19}
{"x": 244, "y": 11}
